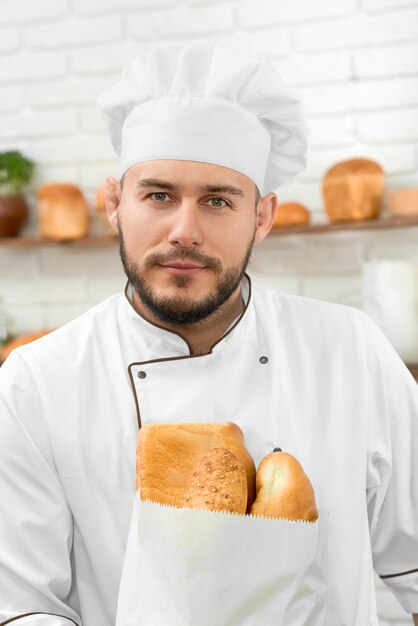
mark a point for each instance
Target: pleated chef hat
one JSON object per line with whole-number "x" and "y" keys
{"x": 201, "y": 102}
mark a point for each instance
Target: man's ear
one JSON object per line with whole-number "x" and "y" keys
{"x": 266, "y": 212}
{"x": 113, "y": 195}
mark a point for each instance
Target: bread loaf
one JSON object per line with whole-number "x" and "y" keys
{"x": 403, "y": 202}
{"x": 169, "y": 454}
{"x": 353, "y": 190}
{"x": 291, "y": 213}
{"x": 219, "y": 483}
{"x": 62, "y": 211}
{"x": 206, "y": 466}
{"x": 283, "y": 489}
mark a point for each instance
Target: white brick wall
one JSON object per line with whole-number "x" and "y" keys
{"x": 98, "y": 6}
{"x": 354, "y": 62}
{"x": 389, "y": 127}
{"x": 358, "y": 30}
{"x": 36, "y": 124}
{"x": 28, "y": 11}
{"x": 8, "y": 39}
{"x": 11, "y": 98}
{"x": 270, "y": 12}
{"x": 311, "y": 69}
{"x": 30, "y": 66}
{"x": 70, "y": 89}
{"x": 393, "y": 60}
{"x": 181, "y": 20}
{"x": 73, "y": 31}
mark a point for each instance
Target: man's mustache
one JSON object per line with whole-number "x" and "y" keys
{"x": 191, "y": 255}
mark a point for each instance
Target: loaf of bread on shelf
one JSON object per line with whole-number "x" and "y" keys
{"x": 290, "y": 214}
{"x": 62, "y": 212}
{"x": 402, "y": 202}
{"x": 353, "y": 190}
{"x": 172, "y": 458}
{"x": 283, "y": 489}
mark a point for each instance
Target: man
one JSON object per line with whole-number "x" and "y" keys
{"x": 204, "y": 136}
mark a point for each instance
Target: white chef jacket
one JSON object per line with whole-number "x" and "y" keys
{"x": 317, "y": 379}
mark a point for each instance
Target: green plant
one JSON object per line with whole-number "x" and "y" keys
{"x": 15, "y": 172}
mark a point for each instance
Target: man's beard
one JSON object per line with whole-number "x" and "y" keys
{"x": 183, "y": 310}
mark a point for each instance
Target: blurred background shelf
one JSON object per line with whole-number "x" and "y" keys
{"x": 384, "y": 222}
{"x": 106, "y": 240}
{"x": 32, "y": 242}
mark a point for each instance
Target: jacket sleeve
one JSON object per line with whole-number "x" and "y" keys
{"x": 392, "y": 466}
{"x": 35, "y": 520}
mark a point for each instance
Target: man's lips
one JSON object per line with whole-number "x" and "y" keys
{"x": 182, "y": 265}
{"x": 182, "y": 268}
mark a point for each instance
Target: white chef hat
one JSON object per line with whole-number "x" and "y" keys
{"x": 197, "y": 101}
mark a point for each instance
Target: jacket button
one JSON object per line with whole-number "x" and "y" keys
{"x": 141, "y": 374}
{"x": 263, "y": 359}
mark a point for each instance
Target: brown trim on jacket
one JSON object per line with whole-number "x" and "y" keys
{"x": 13, "y": 619}
{"x": 176, "y": 358}
{"x": 411, "y": 571}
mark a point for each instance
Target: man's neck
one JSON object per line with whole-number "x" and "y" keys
{"x": 203, "y": 335}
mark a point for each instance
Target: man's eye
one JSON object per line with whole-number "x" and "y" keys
{"x": 159, "y": 196}
{"x": 217, "y": 202}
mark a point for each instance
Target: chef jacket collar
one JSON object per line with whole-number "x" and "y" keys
{"x": 166, "y": 342}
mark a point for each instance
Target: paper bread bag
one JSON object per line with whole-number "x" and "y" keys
{"x": 186, "y": 567}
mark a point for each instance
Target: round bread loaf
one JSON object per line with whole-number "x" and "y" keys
{"x": 62, "y": 211}
{"x": 219, "y": 483}
{"x": 291, "y": 213}
{"x": 283, "y": 489}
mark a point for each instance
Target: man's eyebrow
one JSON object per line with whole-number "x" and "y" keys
{"x": 223, "y": 189}
{"x": 162, "y": 184}
{"x": 154, "y": 182}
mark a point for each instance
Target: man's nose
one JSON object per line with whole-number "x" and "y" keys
{"x": 186, "y": 226}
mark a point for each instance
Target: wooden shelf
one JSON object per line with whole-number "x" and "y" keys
{"x": 384, "y": 222}
{"x": 108, "y": 240}
{"x": 33, "y": 242}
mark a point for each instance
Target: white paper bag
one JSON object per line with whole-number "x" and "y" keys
{"x": 186, "y": 567}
